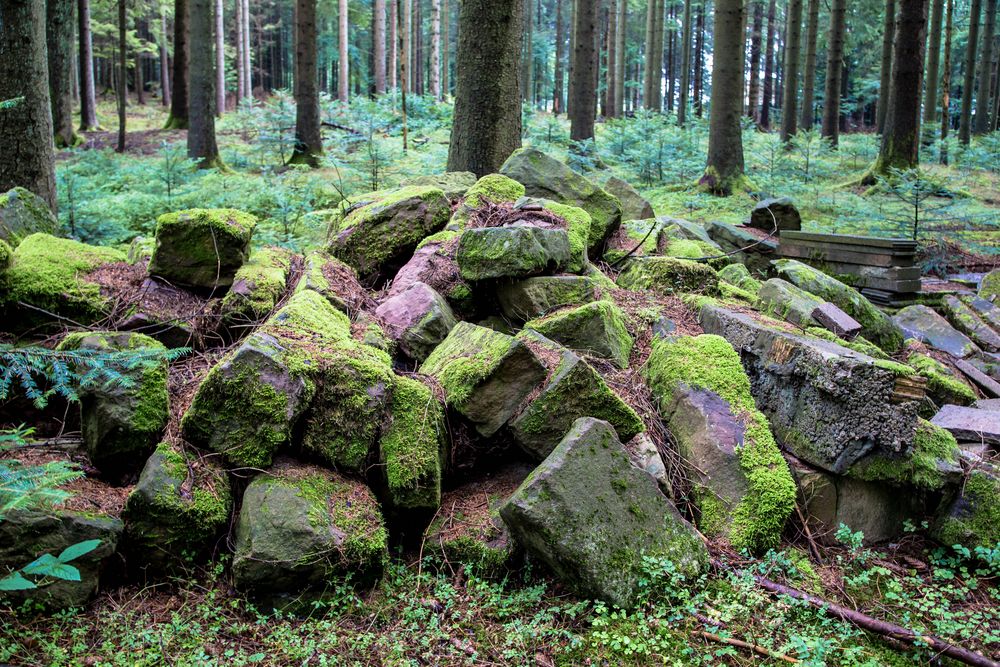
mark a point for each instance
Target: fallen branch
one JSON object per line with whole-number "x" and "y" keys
{"x": 759, "y": 650}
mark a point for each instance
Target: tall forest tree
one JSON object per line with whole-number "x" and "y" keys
{"x": 178, "y": 119}
{"x": 724, "y": 173}
{"x": 59, "y": 37}
{"x": 764, "y": 117}
{"x": 487, "y": 125}
{"x": 88, "y": 93}
{"x": 885, "y": 74}
{"x": 933, "y": 69}
{"x": 984, "y": 95}
{"x": 790, "y": 97}
{"x": 308, "y": 142}
{"x": 435, "y": 65}
{"x": 201, "y": 142}
{"x": 26, "y": 127}
{"x": 378, "y": 35}
{"x": 558, "y": 82}
{"x": 834, "y": 71}
{"x": 121, "y": 82}
{"x": 946, "y": 82}
{"x": 344, "y": 71}
{"x": 969, "y": 78}
{"x": 756, "y": 30}
{"x": 220, "y": 59}
{"x": 583, "y": 109}
{"x": 807, "y": 113}
{"x": 682, "y": 107}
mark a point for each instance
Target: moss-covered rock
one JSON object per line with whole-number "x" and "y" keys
{"x": 739, "y": 276}
{"x": 534, "y": 297}
{"x": 669, "y": 275}
{"x": 972, "y": 519}
{"x": 454, "y": 184}
{"x": 333, "y": 280}
{"x": 178, "y": 509}
{"x": 512, "y": 251}
{"x": 931, "y": 464}
{"x": 876, "y": 325}
{"x": 921, "y": 323}
{"x": 596, "y": 328}
{"x": 785, "y": 301}
{"x": 747, "y": 491}
{"x": 989, "y": 288}
{"x": 546, "y": 177}
{"x": 377, "y": 232}
{"x": 693, "y": 249}
{"x": 140, "y": 250}
{"x": 593, "y": 517}
{"x": 257, "y": 286}
{"x": 418, "y": 319}
{"x": 492, "y": 188}
{"x": 485, "y": 374}
{"x": 202, "y": 247}
{"x": 743, "y": 245}
{"x": 302, "y": 531}
{"x": 943, "y": 386}
{"x": 121, "y": 424}
{"x": 634, "y": 238}
{"x": 6, "y": 255}
{"x": 54, "y": 275}
{"x": 987, "y": 310}
{"x": 634, "y": 205}
{"x": 777, "y": 214}
{"x": 23, "y": 213}
{"x": 572, "y": 390}
{"x": 966, "y": 320}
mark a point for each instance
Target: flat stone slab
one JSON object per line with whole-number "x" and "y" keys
{"x": 979, "y": 378}
{"x": 970, "y": 424}
{"x": 988, "y": 404}
{"x": 926, "y": 326}
{"x": 836, "y": 320}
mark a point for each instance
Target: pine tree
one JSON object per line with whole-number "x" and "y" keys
{"x": 769, "y": 62}
{"x": 807, "y": 113}
{"x": 933, "y": 68}
{"x": 885, "y": 76}
{"x": 343, "y": 72}
{"x": 583, "y": 110}
{"x": 753, "y": 91}
{"x": 984, "y": 95}
{"x": 308, "y": 141}
{"x": 201, "y": 141}
{"x": 969, "y": 80}
{"x": 59, "y": 36}
{"x": 178, "y": 119}
{"x": 724, "y": 172}
{"x": 682, "y": 107}
{"x": 88, "y": 95}
{"x": 834, "y": 71}
{"x": 790, "y": 97}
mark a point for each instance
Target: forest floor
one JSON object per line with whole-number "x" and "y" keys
{"x": 424, "y": 612}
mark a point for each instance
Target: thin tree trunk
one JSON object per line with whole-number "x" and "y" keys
{"x": 648, "y": 48}
{"x": 445, "y": 49}
{"x": 247, "y": 67}
{"x": 379, "y": 38}
{"x": 26, "y": 131}
{"x": 885, "y": 79}
{"x": 756, "y": 31}
{"x": 807, "y": 113}
{"x": 621, "y": 30}
{"x": 670, "y": 60}
{"x": 724, "y": 172}
{"x": 682, "y": 107}
{"x": 88, "y": 96}
{"x": 122, "y": 88}
{"x": 656, "y": 69}
{"x": 487, "y": 126}
{"x": 527, "y": 61}
{"x": 308, "y": 141}
{"x": 699, "y": 69}
{"x": 946, "y": 83}
{"x": 220, "y": 59}
{"x": 834, "y": 71}
{"x": 764, "y": 117}
{"x": 933, "y": 69}
{"x": 140, "y": 81}
{"x": 404, "y": 64}
{"x": 985, "y": 94}
{"x": 557, "y": 77}
{"x": 790, "y": 96}
{"x": 610, "y": 84}
{"x": 583, "y": 111}
{"x": 393, "y": 45}
{"x": 201, "y": 142}
{"x": 178, "y": 119}
{"x": 969, "y": 80}
{"x": 59, "y": 38}
{"x": 343, "y": 71}
{"x": 435, "y": 73}
{"x": 406, "y": 10}
{"x": 240, "y": 80}
{"x": 571, "y": 59}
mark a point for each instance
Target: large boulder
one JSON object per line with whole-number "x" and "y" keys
{"x": 418, "y": 319}
{"x": 743, "y": 245}
{"x": 23, "y": 213}
{"x": 333, "y": 280}
{"x": 778, "y": 214}
{"x": 122, "y": 422}
{"x": 546, "y": 177}
{"x": 943, "y": 385}
{"x": 257, "y": 287}
{"x": 377, "y": 232}
{"x": 534, "y": 297}
{"x": 596, "y": 329}
{"x": 485, "y": 374}
{"x": 178, "y": 509}
{"x": 634, "y": 205}
{"x": 201, "y": 247}
{"x": 490, "y": 189}
{"x": 668, "y": 276}
{"x": 932, "y": 463}
{"x": 303, "y": 530}
{"x": 743, "y": 487}
{"x": 876, "y": 325}
{"x": 827, "y": 404}
{"x": 968, "y": 321}
{"x": 573, "y": 389}
{"x": 972, "y": 517}
{"x": 453, "y": 184}
{"x": 738, "y": 275}
{"x": 923, "y": 324}
{"x": 784, "y": 300}
{"x": 595, "y": 518}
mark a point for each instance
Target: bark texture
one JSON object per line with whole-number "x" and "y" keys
{"x": 201, "y": 142}
{"x": 220, "y": 59}
{"x": 583, "y": 109}
{"x": 343, "y": 72}
{"x": 178, "y": 119}
{"x": 724, "y": 172}
{"x": 790, "y": 98}
{"x": 308, "y": 142}
{"x": 764, "y": 118}
{"x": 834, "y": 71}
{"x": 969, "y": 80}
{"x": 682, "y": 106}
{"x": 88, "y": 96}
{"x": 807, "y": 115}
{"x": 379, "y": 38}
{"x": 756, "y": 30}
{"x": 59, "y": 35}
{"x": 984, "y": 95}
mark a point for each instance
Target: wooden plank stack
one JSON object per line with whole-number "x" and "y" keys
{"x": 884, "y": 270}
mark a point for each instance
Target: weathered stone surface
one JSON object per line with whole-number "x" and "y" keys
{"x": 977, "y": 371}
{"x": 970, "y": 424}
{"x": 776, "y": 214}
{"x": 452, "y": 183}
{"x": 546, "y": 177}
{"x": 668, "y": 275}
{"x": 678, "y": 228}
{"x": 829, "y": 315}
{"x": 703, "y": 251}
{"x": 988, "y": 404}
{"x": 972, "y": 518}
{"x": 174, "y": 316}
{"x": 202, "y": 247}
{"x": 742, "y": 486}
{"x": 485, "y": 374}
{"x": 987, "y": 310}
{"x": 257, "y": 286}
{"x": 634, "y": 205}
{"x": 826, "y": 403}
{"x": 572, "y": 390}
{"x": 122, "y": 424}
{"x": 877, "y": 326}
{"x": 23, "y": 213}
{"x": 746, "y": 248}
{"x": 943, "y": 386}
{"x": 644, "y": 454}
{"x": 534, "y": 297}
{"x": 377, "y": 232}
{"x": 931, "y": 464}
{"x": 490, "y": 189}
{"x": 597, "y": 329}
{"x": 989, "y": 288}
{"x": 302, "y": 530}
{"x": 514, "y": 251}
{"x": 923, "y": 324}
{"x": 633, "y": 239}
{"x": 179, "y": 508}
{"x": 784, "y": 300}
{"x": 739, "y": 276}
{"x": 26, "y": 535}
{"x": 592, "y": 515}
{"x": 418, "y": 319}
{"x": 434, "y": 265}
{"x": 965, "y": 319}
{"x": 333, "y": 280}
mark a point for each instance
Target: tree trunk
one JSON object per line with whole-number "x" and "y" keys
{"x": 807, "y": 115}
{"x": 557, "y": 77}
{"x": 756, "y": 31}
{"x": 220, "y": 59}
{"x": 26, "y": 128}
{"x": 404, "y": 64}
{"x": 435, "y": 65}
{"x": 612, "y": 67}
{"x": 670, "y": 60}
{"x": 308, "y": 142}
{"x": 88, "y": 96}
{"x": 969, "y": 80}
{"x": 378, "y": 36}
{"x": 946, "y": 83}
{"x": 648, "y": 48}
{"x": 885, "y": 77}
{"x": 201, "y": 142}
{"x": 59, "y": 38}
{"x": 571, "y": 59}
{"x": 247, "y": 67}
{"x": 985, "y": 94}
{"x": 393, "y": 66}
{"x": 699, "y": 69}
{"x": 527, "y": 62}
{"x": 724, "y": 172}
{"x": 240, "y": 77}
{"x": 764, "y": 117}
{"x": 933, "y": 69}
{"x": 656, "y": 68}
{"x": 682, "y": 106}
{"x": 406, "y": 34}
{"x": 122, "y": 88}
{"x": 901, "y": 138}
{"x": 790, "y": 96}
{"x": 343, "y": 70}
{"x": 445, "y": 49}
{"x": 583, "y": 111}
{"x": 487, "y": 125}
{"x": 178, "y": 119}
{"x": 834, "y": 71}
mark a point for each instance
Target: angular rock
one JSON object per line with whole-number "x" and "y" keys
{"x": 972, "y": 518}
{"x": 966, "y": 320}
{"x": 970, "y": 424}
{"x": 333, "y": 280}
{"x": 988, "y": 404}
{"x": 377, "y": 232}
{"x": 257, "y": 286}
{"x": 981, "y": 374}
{"x": 943, "y": 385}
{"x": 923, "y": 324}
{"x": 512, "y": 252}
{"x": 27, "y": 534}
{"x": 593, "y": 516}
{"x": 932, "y": 463}
{"x": 572, "y": 390}
{"x": 301, "y": 530}
{"x": 827, "y": 404}
{"x": 989, "y": 287}
{"x": 744, "y": 246}
{"x": 644, "y": 454}
{"x": 140, "y": 250}
{"x": 202, "y": 248}
{"x": 490, "y": 189}
{"x": 485, "y": 374}
{"x": 432, "y": 264}
{"x": 877, "y": 326}
{"x": 784, "y": 300}
{"x": 23, "y": 213}
{"x": 121, "y": 424}
{"x": 634, "y": 205}
{"x": 739, "y": 276}
{"x": 634, "y": 238}
{"x": 596, "y": 329}
{"x": 452, "y": 183}
{"x": 179, "y": 508}
{"x": 743, "y": 488}
{"x": 533, "y": 297}
{"x": 837, "y": 321}
{"x": 543, "y": 176}
{"x": 667, "y": 276}
{"x": 776, "y": 214}
{"x": 702, "y": 251}
{"x": 987, "y": 310}
{"x": 418, "y": 319}
{"x": 678, "y": 228}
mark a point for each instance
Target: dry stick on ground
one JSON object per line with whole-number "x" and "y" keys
{"x": 759, "y": 650}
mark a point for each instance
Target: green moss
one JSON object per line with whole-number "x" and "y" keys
{"x": 739, "y": 276}
{"x": 669, "y": 275}
{"x": 896, "y": 368}
{"x": 464, "y": 359}
{"x": 22, "y": 213}
{"x": 976, "y": 519}
{"x": 859, "y": 344}
{"x": 441, "y": 237}
{"x": 934, "y": 450}
{"x": 577, "y": 228}
{"x": 227, "y": 221}
{"x": 989, "y": 288}
{"x": 709, "y": 362}
{"x": 257, "y": 286}
{"x": 596, "y": 328}
{"x": 6, "y": 255}
{"x": 941, "y": 383}
{"x": 412, "y": 445}
{"x": 495, "y": 188}
{"x": 734, "y": 293}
